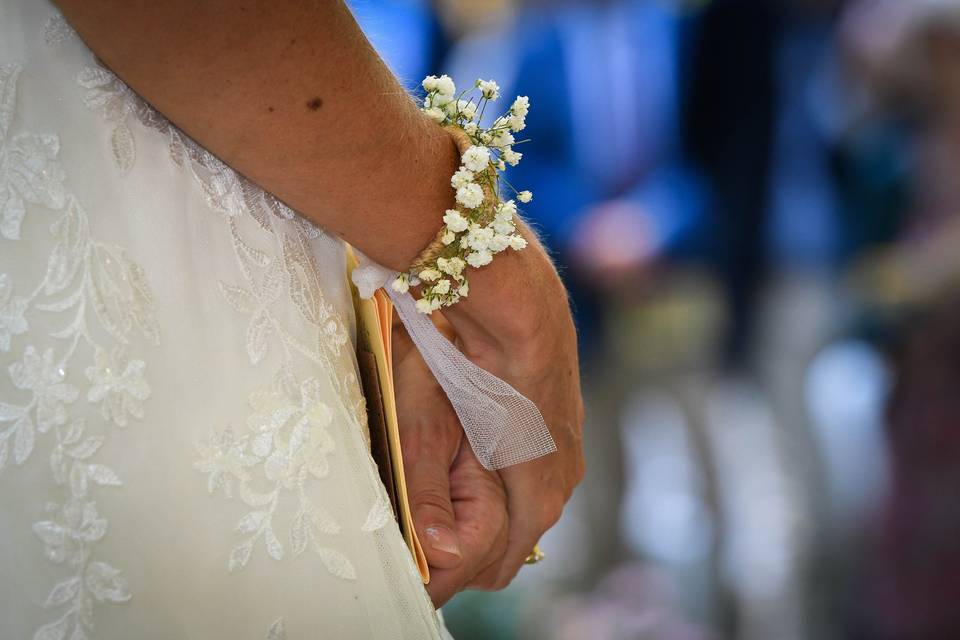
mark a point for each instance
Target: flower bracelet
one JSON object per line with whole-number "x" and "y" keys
{"x": 482, "y": 225}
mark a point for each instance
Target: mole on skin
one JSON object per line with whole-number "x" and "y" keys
{"x": 315, "y": 104}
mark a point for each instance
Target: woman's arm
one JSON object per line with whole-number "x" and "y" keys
{"x": 291, "y": 95}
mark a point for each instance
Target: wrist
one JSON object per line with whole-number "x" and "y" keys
{"x": 424, "y": 180}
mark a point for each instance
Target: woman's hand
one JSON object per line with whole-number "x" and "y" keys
{"x": 459, "y": 508}
{"x": 517, "y": 325}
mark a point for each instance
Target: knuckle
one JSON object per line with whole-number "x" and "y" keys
{"x": 431, "y": 500}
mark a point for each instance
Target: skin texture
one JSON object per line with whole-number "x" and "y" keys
{"x": 292, "y": 95}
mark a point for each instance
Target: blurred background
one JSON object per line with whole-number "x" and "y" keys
{"x": 755, "y": 206}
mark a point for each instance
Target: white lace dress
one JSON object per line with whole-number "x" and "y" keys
{"x": 182, "y": 449}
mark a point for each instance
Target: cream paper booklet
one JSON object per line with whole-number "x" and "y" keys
{"x": 375, "y": 361}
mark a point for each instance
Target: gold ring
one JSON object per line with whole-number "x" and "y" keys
{"x": 535, "y": 556}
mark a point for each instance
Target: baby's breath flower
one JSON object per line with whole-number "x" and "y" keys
{"x": 440, "y": 100}
{"x": 479, "y": 237}
{"x": 476, "y": 158}
{"x": 520, "y": 106}
{"x": 400, "y": 284}
{"x": 435, "y": 114}
{"x": 512, "y": 157}
{"x": 503, "y": 226}
{"x": 467, "y": 109}
{"x": 489, "y": 89}
{"x": 442, "y": 287}
{"x": 506, "y": 210}
{"x": 445, "y": 86}
{"x": 479, "y": 258}
{"x": 470, "y": 195}
{"x": 429, "y": 275}
{"x": 488, "y": 226}
{"x": 455, "y": 221}
{"x": 424, "y": 306}
{"x": 498, "y": 243}
{"x": 503, "y": 139}
{"x": 518, "y": 242}
{"x": 461, "y": 177}
{"x": 452, "y": 266}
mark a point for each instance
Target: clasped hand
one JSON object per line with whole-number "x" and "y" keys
{"x": 478, "y": 525}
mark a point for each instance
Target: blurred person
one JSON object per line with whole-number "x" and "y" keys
{"x": 910, "y": 55}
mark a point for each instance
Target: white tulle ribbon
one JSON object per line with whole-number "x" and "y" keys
{"x": 504, "y": 427}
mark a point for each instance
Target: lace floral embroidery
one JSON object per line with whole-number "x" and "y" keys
{"x": 85, "y": 282}
{"x": 285, "y": 446}
{"x": 287, "y": 438}
{"x": 277, "y": 630}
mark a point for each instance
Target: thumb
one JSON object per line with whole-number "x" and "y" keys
{"x": 428, "y": 484}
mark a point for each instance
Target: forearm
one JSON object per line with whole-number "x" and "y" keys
{"x": 292, "y": 96}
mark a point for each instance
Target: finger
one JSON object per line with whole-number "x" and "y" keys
{"x": 532, "y": 511}
{"x": 432, "y": 509}
{"x": 479, "y": 501}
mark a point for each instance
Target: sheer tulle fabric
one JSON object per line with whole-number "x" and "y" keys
{"x": 503, "y": 426}
{"x": 182, "y": 449}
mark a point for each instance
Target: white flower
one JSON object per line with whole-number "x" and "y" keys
{"x": 435, "y": 114}
{"x": 485, "y": 137}
{"x": 442, "y": 287}
{"x": 512, "y": 157}
{"x": 430, "y": 83}
{"x": 489, "y": 89}
{"x": 517, "y": 123}
{"x": 524, "y": 196}
{"x": 461, "y": 178}
{"x": 479, "y": 237}
{"x": 401, "y": 284}
{"x": 467, "y": 109}
{"x": 452, "y": 266}
{"x": 518, "y": 242}
{"x": 478, "y": 259}
{"x": 429, "y": 275}
{"x": 448, "y": 237}
{"x": 445, "y": 86}
{"x": 464, "y": 290}
{"x": 424, "y": 306}
{"x": 470, "y": 195}
{"x": 470, "y": 128}
{"x": 501, "y": 165}
{"x": 506, "y": 210}
{"x": 476, "y": 158}
{"x": 503, "y": 139}
{"x": 435, "y": 304}
{"x": 440, "y": 100}
{"x": 520, "y": 106}
{"x": 503, "y": 226}
{"x": 499, "y": 242}
{"x": 455, "y": 221}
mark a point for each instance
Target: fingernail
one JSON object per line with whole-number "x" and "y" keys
{"x": 442, "y": 539}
